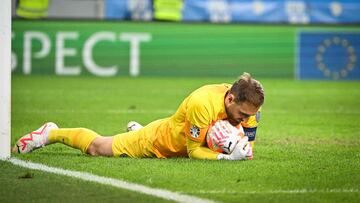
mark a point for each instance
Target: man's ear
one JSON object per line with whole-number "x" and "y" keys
{"x": 230, "y": 98}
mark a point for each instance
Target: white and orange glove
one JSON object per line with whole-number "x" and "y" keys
{"x": 240, "y": 151}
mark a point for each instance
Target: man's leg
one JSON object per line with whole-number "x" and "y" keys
{"x": 84, "y": 139}
{"x": 101, "y": 146}
{"x": 137, "y": 143}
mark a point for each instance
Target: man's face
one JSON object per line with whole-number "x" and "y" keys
{"x": 238, "y": 112}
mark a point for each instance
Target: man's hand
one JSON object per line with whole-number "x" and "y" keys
{"x": 240, "y": 151}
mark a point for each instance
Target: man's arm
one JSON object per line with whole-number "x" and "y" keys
{"x": 196, "y": 146}
{"x": 197, "y": 150}
{"x": 195, "y": 142}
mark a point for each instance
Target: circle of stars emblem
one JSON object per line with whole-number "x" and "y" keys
{"x": 344, "y": 71}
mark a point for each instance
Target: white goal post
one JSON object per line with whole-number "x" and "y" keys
{"x": 5, "y": 78}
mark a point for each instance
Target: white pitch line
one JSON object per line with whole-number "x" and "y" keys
{"x": 299, "y": 191}
{"x": 165, "y": 194}
{"x": 294, "y": 191}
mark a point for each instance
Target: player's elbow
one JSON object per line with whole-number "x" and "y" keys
{"x": 198, "y": 154}
{"x": 190, "y": 153}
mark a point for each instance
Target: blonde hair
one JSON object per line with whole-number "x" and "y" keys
{"x": 247, "y": 89}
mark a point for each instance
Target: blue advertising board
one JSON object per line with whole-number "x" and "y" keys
{"x": 328, "y": 55}
{"x": 249, "y": 11}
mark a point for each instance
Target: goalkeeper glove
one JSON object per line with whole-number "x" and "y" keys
{"x": 240, "y": 151}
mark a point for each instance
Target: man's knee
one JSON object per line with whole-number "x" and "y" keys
{"x": 92, "y": 149}
{"x": 101, "y": 146}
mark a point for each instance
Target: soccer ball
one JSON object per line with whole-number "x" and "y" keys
{"x": 222, "y": 136}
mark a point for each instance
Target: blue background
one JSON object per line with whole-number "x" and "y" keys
{"x": 335, "y": 56}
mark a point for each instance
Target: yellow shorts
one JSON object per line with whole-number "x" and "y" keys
{"x": 139, "y": 143}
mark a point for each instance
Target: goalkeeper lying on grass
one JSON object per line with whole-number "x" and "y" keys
{"x": 181, "y": 135}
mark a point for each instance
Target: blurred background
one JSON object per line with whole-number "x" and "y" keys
{"x": 303, "y": 39}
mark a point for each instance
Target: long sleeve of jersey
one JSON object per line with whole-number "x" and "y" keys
{"x": 196, "y": 127}
{"x": 197, "y": 150}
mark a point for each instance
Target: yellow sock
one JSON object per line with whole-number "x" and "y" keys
{"x": 79, "y": 138}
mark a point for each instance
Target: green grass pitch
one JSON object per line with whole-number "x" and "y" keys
{"x": 307, "y": 147}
